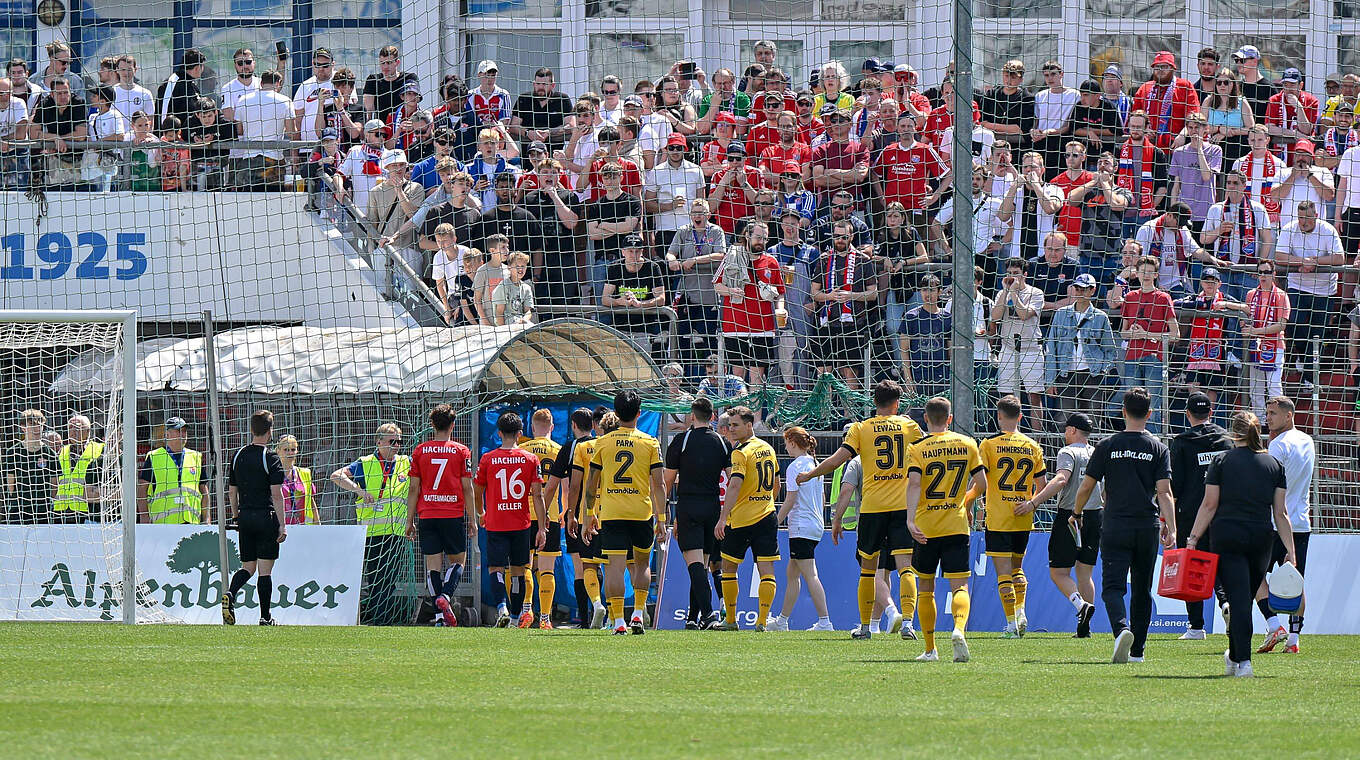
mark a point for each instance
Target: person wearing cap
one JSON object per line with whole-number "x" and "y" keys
{"x": 1112, "y": 92}
{"x": 442, "y": 141}
{"x": 171, "y": 483}
{"x": 669, "y": 187}
{"x": 308, "y": 99}
{"x": 610, "y": 217}
{"x": 766, "y": 133}
{"x": 713, "y": 154}
{"x": 1206, "y": 355}
{"x": 631, "y": 285}
{"x": 1167, "y": 99}
{"x": 1081, "y": 351}
{"x": 1192, "y": 451}
{"x": 382, "y": 90}
{"x": 832, "y": 79}
{"x": 400, "y": 123}
{"x": 1303, "y": 181}
{"x": 264, "y": 115}
{"x": 909, "y": 172}
{"x": 488, "y": 104}
{"x": 1245, "y": 489}
{"x": 1291, "y": 113}
{"x": 1255, "y": 87}
{"x": 1007, "y": 109}
{"x": 788, "y": 147}
{"x": 543, "y": 114}
{"x": 839, "y": 163}
{"x": 1053, "y": 107}
{"x": 1348, "y": 92}
{"x": 810, "y": 126}
{"x": 734, "y": 189}
{"x": 1169, "y": 239}
{"x": 391, "y": 203}
{"x": 790, "y": 193}
{"x": 360, "y": 172}
{"x": 902, "y": 87}
{"x": 723, "y": 99}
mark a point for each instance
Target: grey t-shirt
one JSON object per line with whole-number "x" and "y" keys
{"x": 1073, "y": 459}
{"x": 696, "y": 284}
{"x": 517, "y": 298}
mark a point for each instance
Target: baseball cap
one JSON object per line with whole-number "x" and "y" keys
{"x": 1080, "y": 421}
{"x": 330, "y": 133}
{"x": 632, "y": 100}
{"x": 536, "y": 145}
{"x": 1305, "y": 146}
{"x": 814, "y": 79}
{"x": 1291, "y": 74}
{"x": 1084, "y": 280}
{"x": 1334, "y": 77}
{"x": 633, "y": 240}
{"x": 392, "y": 156}
{"x": 411, "y": 87}
{"x": 873, "y": 65}
{"x": 1209, "y": 273}
{"x": 804, "y": 97}
{"x": 374, "y": 125}
{"x": 176, "y": 423}
{"x": 1113, "y": 71}
{"x": 677, "y": 139}
{"x": 487, "y": 65}
{"x": 725, "y": 117}
{"x": 1091, "y": 86}
{"x": 787, "y": 212}
{"x": 1247, "y": 51}
{"x": 1198, "y": 404}
{"x": 791, "y": 167}
{"x": 736, "y": 148}
{"x": 771, "y": 96}
{"x": 1164, "y": 57}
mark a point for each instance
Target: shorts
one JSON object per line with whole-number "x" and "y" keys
{"x": 1063, "y": 551}
{"x": 802, "y": 548}
{"x": 841, "y": 344}
{"x": 761, "y": 537}
{"x": 694, "y": 529}
{"x": 442, "y": 535}
{"x": 588, "y": 552}
{"x": 1025, "y": 368}
{"x": 1006, "y": 543}
{"x": 749, "y": 350}
{"x": 1277, "y": 552}
{"x": 552, "y": 545}
{"x": 509, "y": 548}
{"x": 1207, "y": 379}
{"x": 625, "y": 536}
{"x": 945, "y": 553}
{"x": 882, "y": 533}
{"x": 258, "y": 534}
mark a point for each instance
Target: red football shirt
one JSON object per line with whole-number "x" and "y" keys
{"x": 1153, "y": 312}
{"x": 593, "y": 185}
{"x": 734, "y": 204}
{"x": 774, "y": 156}
{"x": 908, "y": 172}
{"x": 761, "y": 136}
{"x": 507, "y": 477}
{"x": 441, "y": 467}
{"x": 754, "y": 316}
{"x": 1069, "y": 218}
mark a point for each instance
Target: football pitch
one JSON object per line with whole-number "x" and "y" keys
{"x": 82, "y": 690}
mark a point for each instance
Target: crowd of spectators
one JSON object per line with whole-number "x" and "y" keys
{"x": 1172, "y": 234}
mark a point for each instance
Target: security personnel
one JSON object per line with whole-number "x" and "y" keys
{"x": 170, "y": 486}
{"x": 1191, "y": 452}
{"x": 78, "y": 478}
{"x": 381, "y": 481}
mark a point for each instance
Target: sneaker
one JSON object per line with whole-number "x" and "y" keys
{"x": 526, "y": 619}
{"x": 1193, "y": 634}
{"x": 894, "y": 617}
{"x": 597, "y": 616}
{"x": 1021, "y": 622}
{"x": 760, "y": 628}
{"x": 822, "y": 625}
{"x": 960, "y": 646}
{"x": 446, "y": 615}
{"x": 691, "y": 625}
{"x": 502, "y": 617}
{"x": 1291, "y": 649}
{"x": 637, "y": 625}
{"x": 1229, "y": 667}
{"x": 1122, "y": 644}
{"x": 1273, "y": 639}
{"x": 544, "y": 623}
{"x": 861, "y": 632}
{"x": 780, "y": 623}
{"x": 228, "y": 610}
{"x": 1010, "y": 632}
{"x": 439, "y": 623}
{"x": 621, "y": 630}
{"x": 728, "y": 625}
{"x": 710, "y": 622}
{"x": 1244, "y": 670}
{"x": 931, "y": 656}
{"x": 908, "y": 632}
{"x": 1136, "y": 659}
{"x": 1084, "y": 616}
{"x": 268, "y": 621}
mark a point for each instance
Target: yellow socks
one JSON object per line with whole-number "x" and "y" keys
{"x": 639, "y": 598}
{"x": 592, "y": 581}
{"x": 729, "y": 593}
{"x": 547, "y": 589}
{"x": 1006, "y": 588}
{"x": 959, "y": 607}
{"x": 925, "y": 607}
{"x": 906, "y": 593}
{"x": 866, "y": 596}
{"x": 529, "y": 589}
{"x": 1021, "y": 586}
{"x": 616, "y": 608}
{"x": 766, "y": 598}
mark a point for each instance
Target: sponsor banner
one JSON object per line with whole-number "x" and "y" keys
{"x": 61, "y": 572}
{"x": 1333, "y": 600}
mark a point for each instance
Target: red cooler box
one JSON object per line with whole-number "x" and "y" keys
{"x": 1188, "y": 574}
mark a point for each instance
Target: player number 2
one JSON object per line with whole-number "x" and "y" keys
{"x": 624, "y": 459}
{"x": 512, "y": 484}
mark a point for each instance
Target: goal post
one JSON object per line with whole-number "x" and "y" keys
{"x": 38, "y": 344}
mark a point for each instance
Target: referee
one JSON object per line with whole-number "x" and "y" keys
{"x": 1191, "y": 453}
{"x": 1135, "y": 469}
{"x": 255, "y": 491}
{"x": 697, "y": 458}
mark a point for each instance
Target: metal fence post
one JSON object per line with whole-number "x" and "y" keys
{"x": 961, "y": 380}
{"x": 219, "y": 458}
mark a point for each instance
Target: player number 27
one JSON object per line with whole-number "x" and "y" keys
{"x": 935, "y": 473}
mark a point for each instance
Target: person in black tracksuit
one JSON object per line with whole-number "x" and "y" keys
{"x": 697, "y": 458}
{"x": 1135, "y": 468}
{"x": 581, "y": 421}
{"x": 1244, "y": 489}
{"x": 1191, "y": 453}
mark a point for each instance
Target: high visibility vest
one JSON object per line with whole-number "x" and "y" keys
{"x": 387, "y": 514}
{"x": 849, "y": 520}
{"x": 174, "y": 497}
{"x": 71, "y": 482}
{"x": 309, "y": 515}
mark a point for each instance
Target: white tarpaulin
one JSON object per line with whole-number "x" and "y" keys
{"x": 59, "y": 572}
{"x": 557, "y": 353}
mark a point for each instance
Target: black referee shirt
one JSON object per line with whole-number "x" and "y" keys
{"x": 253, "y": 471}
{"x": 699, "y": 455}
{"x": 561, "y": 466}
{"x": 1130, "y": 464}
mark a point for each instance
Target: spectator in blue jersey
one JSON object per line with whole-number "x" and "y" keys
{"x": 719, "y": 385}
{"x": 925, "y": 335}
{"x": 790, "y": 195}
{"x": 423, "y": 171}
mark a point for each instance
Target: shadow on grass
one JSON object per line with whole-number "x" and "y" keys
{"x": 1205, "y": 677}
{"x": 887, "y": 660}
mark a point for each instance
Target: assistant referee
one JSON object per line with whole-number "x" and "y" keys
{"x": 255, "y": 490}
{"x": 1135, "y": 469}
{"x": 695, "y": 462}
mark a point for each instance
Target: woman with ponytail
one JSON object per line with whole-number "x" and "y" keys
{"x": 804, "y": 509}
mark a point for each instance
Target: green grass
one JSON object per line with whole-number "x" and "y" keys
{"x": 81, "y": 690}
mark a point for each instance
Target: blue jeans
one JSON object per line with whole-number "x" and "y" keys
{"x": 1148, "y": 373}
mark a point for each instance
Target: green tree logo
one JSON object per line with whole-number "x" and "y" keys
{"x": 198, "y": 551}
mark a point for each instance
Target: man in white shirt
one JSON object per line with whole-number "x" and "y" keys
{"x": 1168, "y": 238}
{"x": 1347, "y": 218}
{"x": 989, "y": 232}
{"x": 244, "y": 83}
{"x": 130, "y": 97}
{"x": 1238, "y": 231}
{"x": 1052, "y": 107}
{"x": 1031, "y": 206}
{"x": 13, "y": 116}
{"x": 1304, "y": 181}
{"x": 1308, "y": 243}
{"x": 1294, "y": 448}
{"x": 1016, "y": 309}
{"x": 669, "y": 187}
{"x": 305, "y": 100}
{"x": 264, "y": 115}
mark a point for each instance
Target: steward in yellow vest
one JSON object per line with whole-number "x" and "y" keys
{"x": 170, "y": 486}
{"x": 74, "y": 461}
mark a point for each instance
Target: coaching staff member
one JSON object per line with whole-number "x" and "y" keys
{"x": 697, "y": 458}
{"x": 1135, "y": 469}
{"x": 255, "y": 493}
{"x": 1243, "y": 490}
{"x": 1191, "y": 453}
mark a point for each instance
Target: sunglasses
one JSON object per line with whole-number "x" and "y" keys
{"x": 394, "y": 440}
{"x": 840, "y": 237}
{"x": 1223, "y": 81}
{"x": 318, "y": 65}
{"x": 245, "y": 61}
{"x": 610, "y": 92}
{"x": 1265, "y": 273}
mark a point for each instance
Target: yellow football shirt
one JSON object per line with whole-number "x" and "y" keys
{"x": 546, "y": 449}
{"x": 625, "y": 459}
{"x": 755, "y": 461}
{"x": 1013, "y": 461}
{"x": 945, "y": 461}
{"x": 882, "y": 444}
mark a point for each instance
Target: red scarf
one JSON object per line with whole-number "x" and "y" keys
{"x": 1138, "y": 183}
{"x": 846, "y": 282}
{"x": 1264, "y": 311}
{"x": 1329, "y": 141}
{"x": 1267, "y": 180}
{"x": 1206, "y": 333}
{"x": 1178, "y": 248}
{"x": 1246, "y": 232}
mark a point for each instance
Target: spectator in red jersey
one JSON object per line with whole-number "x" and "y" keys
{"x": 734, "y": 189}
{"x": 777, "y": 82}
{"x": 1263, "y": 171}
{"x": 592, "y": 187}
{"x": 441, "y": 488}
{"x": 766, "y": 133}
{"x": 714, "y": 155}
{"x": 508, "y": 487}
{"x": 942, "y": 118}
{"x": 910, "y": 172}
{"x": 1205, "y": 357}
{"x": 1167, "y": 99}
{"x": 810, "y": 127}
{"x": 1291, "y": 113}
{"x": 1148, "y": 323}
{"x": 748, "y": 310}
{"x": 905, "y": 83}
{"x": 1269, "y": 307}
{"x": 840, "y": 162}
{"x": 1076, "y": 175}
{"x": 775, "y": 157}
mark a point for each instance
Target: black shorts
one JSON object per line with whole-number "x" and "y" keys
{"x": 624, "y": 536}
{"x": 1062, "y": 547}
{"x": 509, "y": 548}
{"x": 948, "y": 554}
{"x": 694, "y": 528}
{"x": 258, "y": 535}
{"x": 552, "y": 545}
{"x": 802, "y": 548}
{"x": 1276, "y": 553}
{"x": 761, "y": 537}
{"x": 841, "y": 344}
{"x": 1006, "y": 543}
{"x": 750, "y": 350}
{"x": 1207, "y": 379}
{"x": 442, "y": 535}
{"x": 883, "y": 533}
